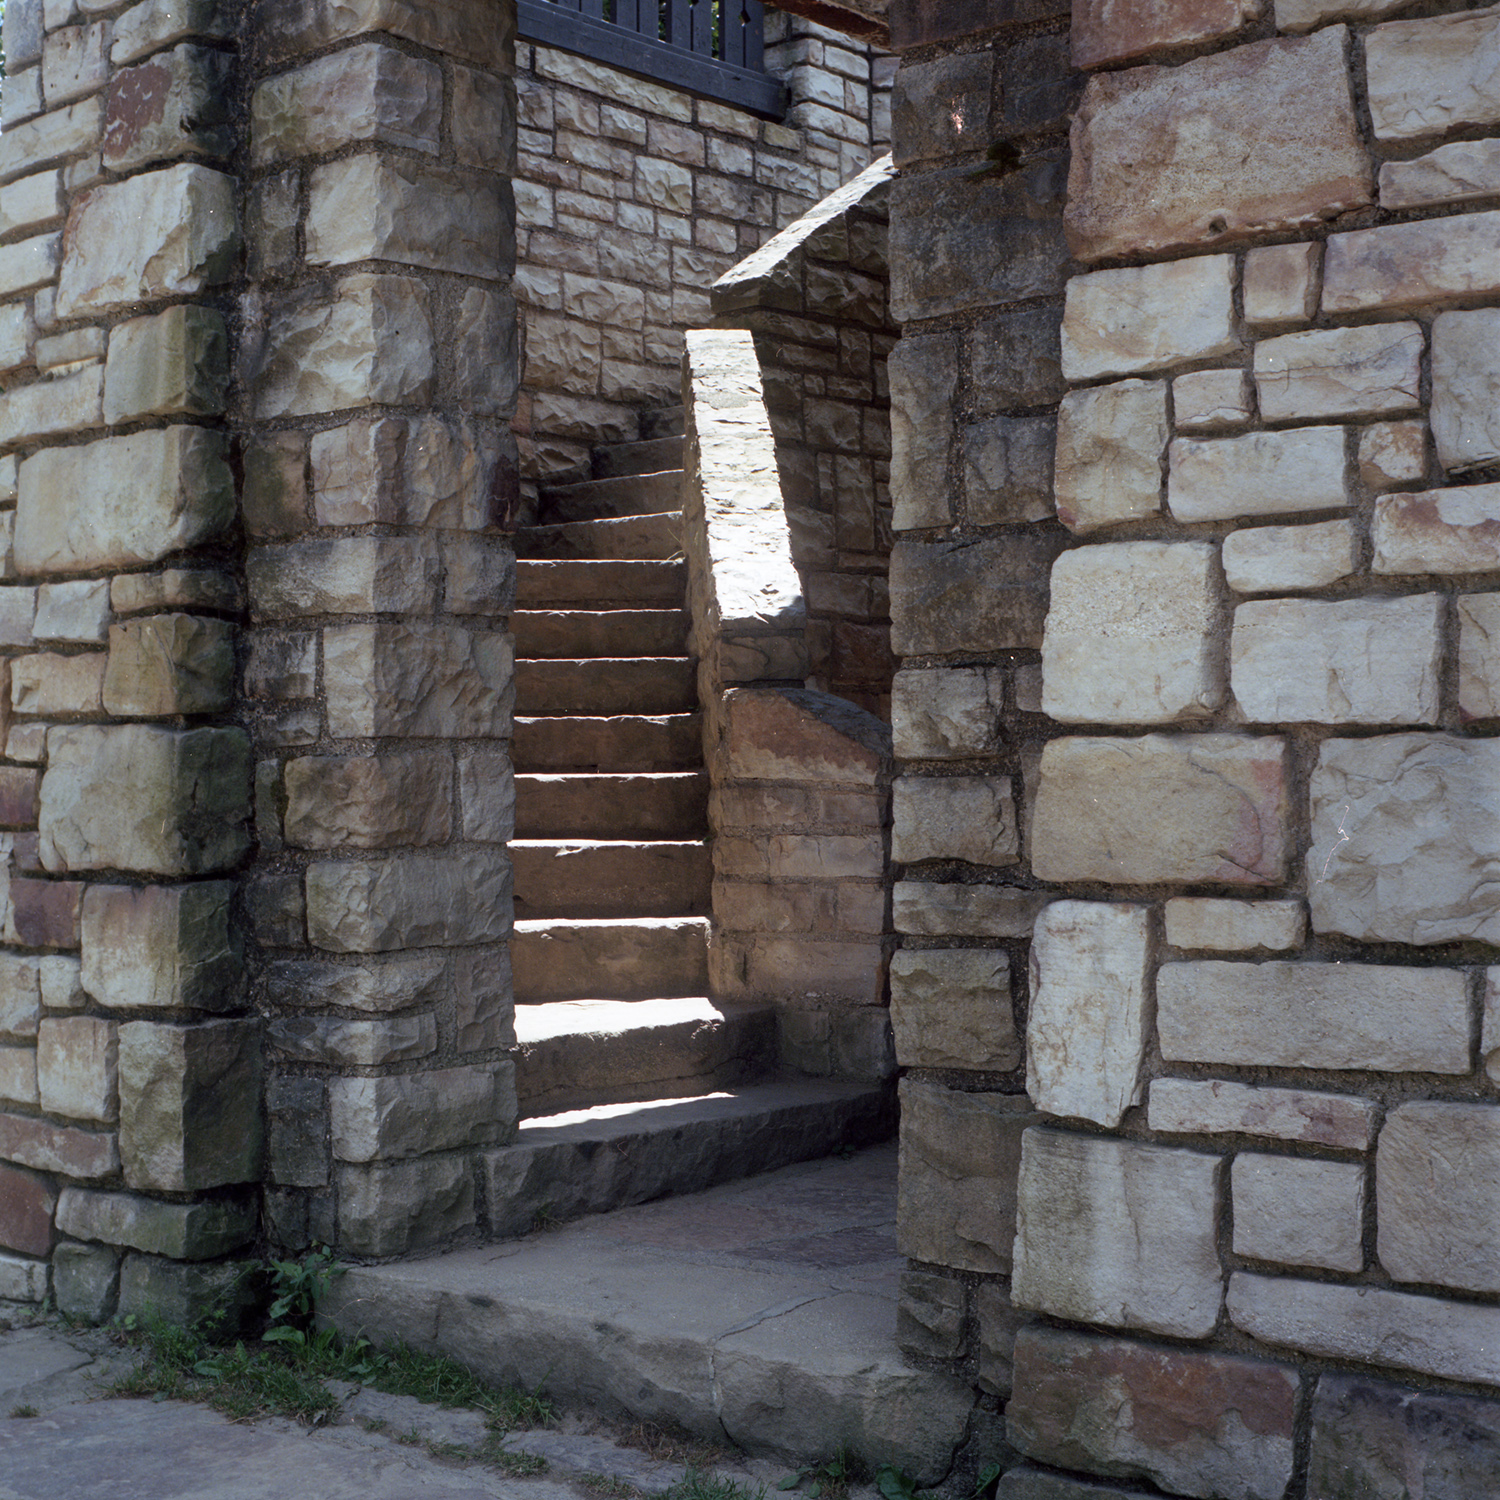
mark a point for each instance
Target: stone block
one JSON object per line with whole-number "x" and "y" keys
{"x": 369, "y": 801}
{"x": 483, "y": 1008}
{"x": 60, "y": 687}
{"x": 934, "y": 909}
{"x": 74, "y": 61}
{"x": 483, "y": 120}
{"x": 79, "y": 1154}
{"x": 1194, "y": 1423}
{"x": 274, "y": 493}
{"x": 1162, "y": 808}
{"x": 1114, "y": 1232}
{"x": 1281, "y": 284}
{"x": 469, "y": 30}
{"x": 29, "y": 264}
{"x": 1110, "y": 33}
{"x": 1257, "y": 474}
{"x": 419, "y": 901}
{"x": 1338, "y": 661}
{"x": 954, "y": 817}
{"x": 44, "y": 913}
{"x": 22, "y": 1280}
{"x": 1234, "y": 926}
{"x": 175, "y": 588}
{"x": 1370, "y": 1324}
{"x": 367, "y": 93}
{"x": 479, "y": 575}
{"x": 1363, "y": 1017}
{"x": 54, "y": 137}
{"x": 1149, "y": 171}
{"x": 1422, "y": 76}
{"x": 168, "y": 233}
{"x": 1388, "y": 1442}
{"x": 1129, "y": 634}
{"x": 790, "y": 734}
{"x": 373, "y": 986}
{"x": 297, "y": 1115}
{"x": 1137, "y": 318}
{"x": 947, "y": 714}
{"x": 1402, "y": 831}
{"x": 951, "y": 1008}
{"x": 1277, "y": 559}
{"x": 18, "y": 1077}
{"x": 1437, "y": 531}
{"x": 1455, "y": 173}
{"x": 1299, "y": 1212}
{"x": 1437, "y": 1186}
{"x": 390, "y": 1209}
{"x": 411, "y": 679}
{"x": 956, "y": 1203}
{"x": 335, "y": 1042}
{"x": 181, "y": 1231}
{"x": 23, "y": 33}
{"x": 190, "y": 1115}
{"x": 941, "y": 108}
{"x": 1214, "y": 1106}
{"x": 136, "y": 797}
{"x": 438, "y": 220}
{"x": 1479, "y": 656}
{"x": 1340, "y": 372}
{"x": 26, "y": 1205}
{"x": 390, "y": 1118}
{"x": 122, "y": 501}
{"x": 1419, "y": 265}
{"x": 182, "y": 1294}
{"x": 165, "y": 665}
{"x": 1025, "y": 1483}
{"x": 930, "y": 1315}
{"x": 1015, "y": 360}
{"x": 175, "y": 363}
{"x": 67, "y": 403}
{"x": 486, "y": 362}
{"x": 1086, "y": 1029}
{"x": 153, "y": 947}
{"x": 960, "y": 241}
{"x": 1008, "y": 464}
{"x": 76, "y": 1068}
{"x": 344, "y": 575}
{"x": 282, "y": 666}
{"x": 17, "y": 615}
{"x": 367, "y": 341}
{"x": 76, "y": 611}
{"x": 1465, "y": 387}
{"x": 175, "y": 104}
{"x": 1110, "y": 441}
{"x": 85, "y": 1281}
{"x": 487, "y": 796}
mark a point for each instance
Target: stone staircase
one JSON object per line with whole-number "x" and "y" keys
{"x": 632, "y": 1082}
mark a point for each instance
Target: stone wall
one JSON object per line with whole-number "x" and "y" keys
{"x": 1194, "y": 429}
{"x": 633, "y": 198}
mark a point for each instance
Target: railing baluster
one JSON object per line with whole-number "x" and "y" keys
{"x": 732, "y": 32}
{"x": 755, "y": 35}
{"x": 680, "y": 24}
{"x": 703, "y": 28}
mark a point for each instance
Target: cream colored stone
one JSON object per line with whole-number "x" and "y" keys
{"x": 77, "y": 1068}
{"x": 368, "y": 801}
{"x": 1128, "y": 638}
{"x": 1341, "y": 661}
{"x": 1281, "y": 284}
{"x": 77, "y": 346}
{"x": 51, "y": 408}
{"x": 1453, "y": 530}
{"x": 160, "y": 947}
{"x": 936, "y": 909}
{"x": 1299, "y": 1212}
{"x": 1114, "y": 1232}
{"x": 344, "y": 575}
{"x": 954, "y": 817}
{"x": 54, "y": 686}
{"x": 1257, "y": 474}
{"x": 18, "y": 1076}
{"x": 1211, "y": 400}
{"x": 165, "y": 665}
{"x": 29, "y": 264}
{"x": 1110, "y": 441}
{"x": 951, "y": 1008}
{"x": 1340, "y": 372}
{"x": 1489, "y": 1046}
{"x": 1392, "y": 453}
{"x": 1280, "y": 559}
{"x": 32, "y": 202}
{"x": 175, "y": 363}
{"x": 1340, "y": 1016}
{"x": 1434, "y": 75}
{"x": 1466, "y": 388}
{"x": 1180, "y": 808}
{"x": 1418, "y": 265}
{"x": 1234, "y": 926}
{"x": 1479, "y": 656}
{"x": 1124, "y": 321}
{"x": 1455, "y": 173}
{"x": 1215, "y": 1106}
{"x": 947, "y": 714}
{"x": 68, "y": 132}
{"x": 76, "y": 611}
{"x": 168, "y": 233}
{"x": 1086, "y": 1031}
{"x": 411, "y": 1114}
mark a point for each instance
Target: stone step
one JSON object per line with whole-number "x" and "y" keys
{"x": 606, "y": 685}
{"x": 617, "y": 537}
{"x": 600, "y": 584}
{"x": 623, "y": 742}
{"x": 670, "y": 804}
{"x": 578, "y": 1053}
{"x": 622, "y": 495}
{"x": 615, "y": 878}
{"x": 664, "y": 421}
{"x": 649, "y": 456}
{"x": 600, "y": 632}
{"x": 614, "y": 959}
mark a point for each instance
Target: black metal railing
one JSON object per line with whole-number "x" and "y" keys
{"x": 710, "y": 48}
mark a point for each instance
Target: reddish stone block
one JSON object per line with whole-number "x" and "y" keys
{"x": 26, "y": 1207}
{"x": 45, "y": 913}
{"x": 1106, "y": 31}
{"x": 26, "y": 853}
{"x": 19, "y": 786}
{"x": 82, "y": 1154}
{"x": 789, "y": 734}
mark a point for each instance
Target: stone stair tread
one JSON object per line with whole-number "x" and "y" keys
{"x": 604, "y": 743}
{"x": 620, "y": 495}
{"x": 601, "y": 582}
{"x": 609, "y": 958}
{"x": 616, "y": 878}
{"x": 624, "y": 537}
{"x": 574, "y": 633}
{"x": 651, "y": 804}
{"x": 645, "y": 456}
{"x": 595, "y": 685}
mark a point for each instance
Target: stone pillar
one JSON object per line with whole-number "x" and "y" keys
{"x": 379, "y": 378}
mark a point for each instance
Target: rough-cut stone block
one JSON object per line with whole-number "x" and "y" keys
{"x": 18, "y": 1077}
{"x": 1314, "y": 1015}
{"x": 1211, "y": 400}
{"x": 1299, "y": 1212}
{"x": 954, "y": 817}
{"x": 1339, "y": 661}
{"x": 1214, "y": 1106}
{"x": 182, "y": 1231}
{"x": 1257, "y": 474}
{"x": 54, "y": 137}
{"x": 182, "y": 1294}
{"x": 1113, "y": 1232}
{"x": 1234, "y": 926}
{"x": 1465, "y": 388}
{"x": 190, "y": 1109}
{"x": 951, "y": 1008}
{"x": 1425, "y": 77}
{"x": 344, "y": 575}
{"x": 369, "y": 801}
{"x": 1128, "y": 635}
{"x": 941, "y": 108}
{"x": 483, "y": 1008}
{"x": 76, "y": 1068}
{"x": 58, "y": 1148}
{"x": 421, "y": 901}
{"x": 60, "y": 687}
{"x": 1340, "y": 372}
{"x": 166, "y": 665}
{"x": 403, "y": 1206}
{"x": 1110, "y": 441}
{"x": 1086, "y": 1031}
{"x": 1479, "y": 656}
{"x": 1007, "y": 463}
{"x": 22, "y": 1280}
{"x": 930, "y": 1315}
{"x": 175, "y": 588}
{"x": 1195, "y": 1424}
{"x": 169, "y": 233}
{"x": 1437, "y": 1187}
{"x": 44, "y": 913}
{"x": 1455, "y": 173}
{"x": 174, "y": 363}
{"x": 486, "y": 366}
{"x": 76, "y": 611}
{"x": 26, "y": 1204}
{"x": 374, "y": 986}
{"x": 933, "y": 909}
{"x": 1025, "y": 1483}
{"x": 969, "y": 596}
{"x": 1120, "y": 322}
{"x": 1417, "y": 265}
{"x": 85, "y": 1281}
{"x": 1388, "y": 1442}
{"x": 947, "y": 714}
{"x": 1278, "y": 559}
{"x": 135, "y": 797}
{"x": 1149, "y": 169}
{"x": 1162, "y": 808}
{"x": 1281, "y": 284}
{"x": 151, "y": 947}
{"x": 1015, "y": 360}
{"x": 1438, "y": 531}
{"x": 51, "y": 408}
{"x": 176, "y": 104}
{"x": 1403, "y": 831}
{"x": 122, "y": 501}
{"x": 956, "y": 1202}
{"x": 385, "y": 1119}
{"x": 1109, "y": 31}
{"x": 1452, "y": 1340}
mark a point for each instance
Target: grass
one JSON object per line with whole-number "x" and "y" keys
{"x": 24, "y": 1411}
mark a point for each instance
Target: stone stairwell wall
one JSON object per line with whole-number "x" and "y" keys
{"x": 1193, "y": 584}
